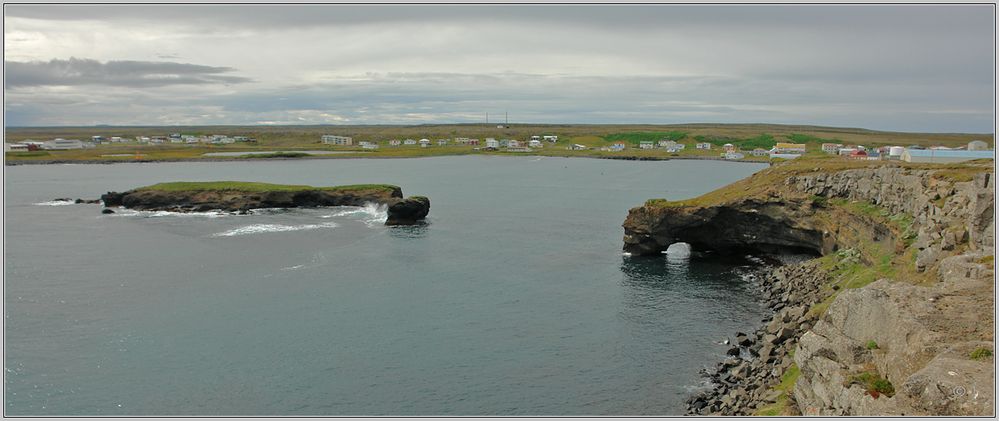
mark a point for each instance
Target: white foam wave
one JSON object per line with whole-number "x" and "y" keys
{"x": 264, "y": 228}
{"x": 372, "y": 214}
{"x": 56, "y": 203}
{"x": 160, "y": 214}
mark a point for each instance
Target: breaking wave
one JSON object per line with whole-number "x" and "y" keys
{"x": 160, "y": 214}
{"x": 56, "y": 203}
{"x": 371, "y": 214}
{"x": 263, "y": 228}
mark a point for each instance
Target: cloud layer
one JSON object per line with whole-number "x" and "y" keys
{"x": 126, "y": 73}
{"x": 919, "y": 68}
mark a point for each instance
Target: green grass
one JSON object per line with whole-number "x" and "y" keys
{"x": 786, "y": 386}
{"x": 981, "y": 353}
{"x": 634, "y": 138}
{"x": 28, "y": 154}
{"x": 955, "y": 175}
{"x": 872, "y": 345}
{"x": 805, "y": 138}
{"x": 244, "y": 186}
{"x": 819, "y": 201}
{"x": 873, "y": 382}
{"x": 762, "y": 140}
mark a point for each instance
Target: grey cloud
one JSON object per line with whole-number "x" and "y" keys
{"x": 617, "y": 17}
{"x": 126, "y": 73}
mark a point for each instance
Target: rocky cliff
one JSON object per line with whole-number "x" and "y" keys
{"x": 902, "y": 321}
{"x": 241, "y": 197}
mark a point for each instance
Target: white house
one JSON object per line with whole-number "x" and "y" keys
{"x": 578, "y": 147}
{"x": 734, "y": 155}
{"x": 441, "y": 142}
{"x": 978, "y": 145}
{"x": 492, "y": 143}
{"x": 15, "y": 147}
{"x": 62, "y": 144}
{"x": 395, "y": 142}
{"x": 832, "y": 148}
{"x": 550, "y": 138}
{"x": 534, "y": 143}
{"x": 759, "y": 152}
{"x": 424, "y": 143}
{"x": 337, "y": 140}
{"x": 647, "y": 144}
{"x": 370, "y": 146}
{"x": 409, "y": 142}
{"x": 535, "y": 137}
{"x": 789, "y": 148}
{"x": 945, "y": 156}
{"x": 513, "y": 143}
{"x": 703, "y": 145}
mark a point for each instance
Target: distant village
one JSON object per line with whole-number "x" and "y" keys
{"x": 914, "y": 153}
{"x": 176, "y": 138}
{"x": 941, "y": 154}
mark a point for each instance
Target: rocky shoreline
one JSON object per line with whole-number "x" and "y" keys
{"x": 744, "y": 382}
{"x": 894, "y": 319}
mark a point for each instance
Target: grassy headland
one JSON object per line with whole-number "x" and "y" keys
{"x": 253, "y": 187}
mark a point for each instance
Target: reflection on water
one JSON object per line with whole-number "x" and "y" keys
{"x": 721, "y": 284}
{"x": 409, "y": 231}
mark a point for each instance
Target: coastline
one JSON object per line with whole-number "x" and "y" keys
{"x": 884, "y": 321}
{"x": 13, "y": 163}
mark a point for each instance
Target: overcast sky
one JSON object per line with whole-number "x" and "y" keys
{"x": 906, "y": 68}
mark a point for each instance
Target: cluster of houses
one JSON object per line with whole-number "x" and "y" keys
{"x": 975, "y": 149}
{"x": 50, "y": 145}
{"x": 490, "y": 143}
{"x": 939, "y": 154}
{"x": 66, "y": 144}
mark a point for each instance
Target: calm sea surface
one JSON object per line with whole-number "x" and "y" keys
{"x": 515, "y": 299}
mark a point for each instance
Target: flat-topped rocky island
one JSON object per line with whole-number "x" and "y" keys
{"x": 237, "y": 196}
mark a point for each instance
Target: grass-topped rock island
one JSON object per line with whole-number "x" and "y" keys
{"x": 240, "y": 196}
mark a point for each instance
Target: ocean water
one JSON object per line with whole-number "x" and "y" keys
{"x": 514, "y": 299}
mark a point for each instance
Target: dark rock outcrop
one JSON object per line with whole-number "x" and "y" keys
{"x": 408, "y": 211}
{"x": 760, "y": 225}
{"x": 401, "y": 211}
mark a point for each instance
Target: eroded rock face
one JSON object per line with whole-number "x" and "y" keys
{"x": 769, "y": 226}
{"x": 924, "y": 333}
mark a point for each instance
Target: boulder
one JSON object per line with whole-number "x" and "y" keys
{"x": 408, "y": 211}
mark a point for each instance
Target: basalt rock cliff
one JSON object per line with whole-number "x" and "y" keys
{"x": 898, "y": 314}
